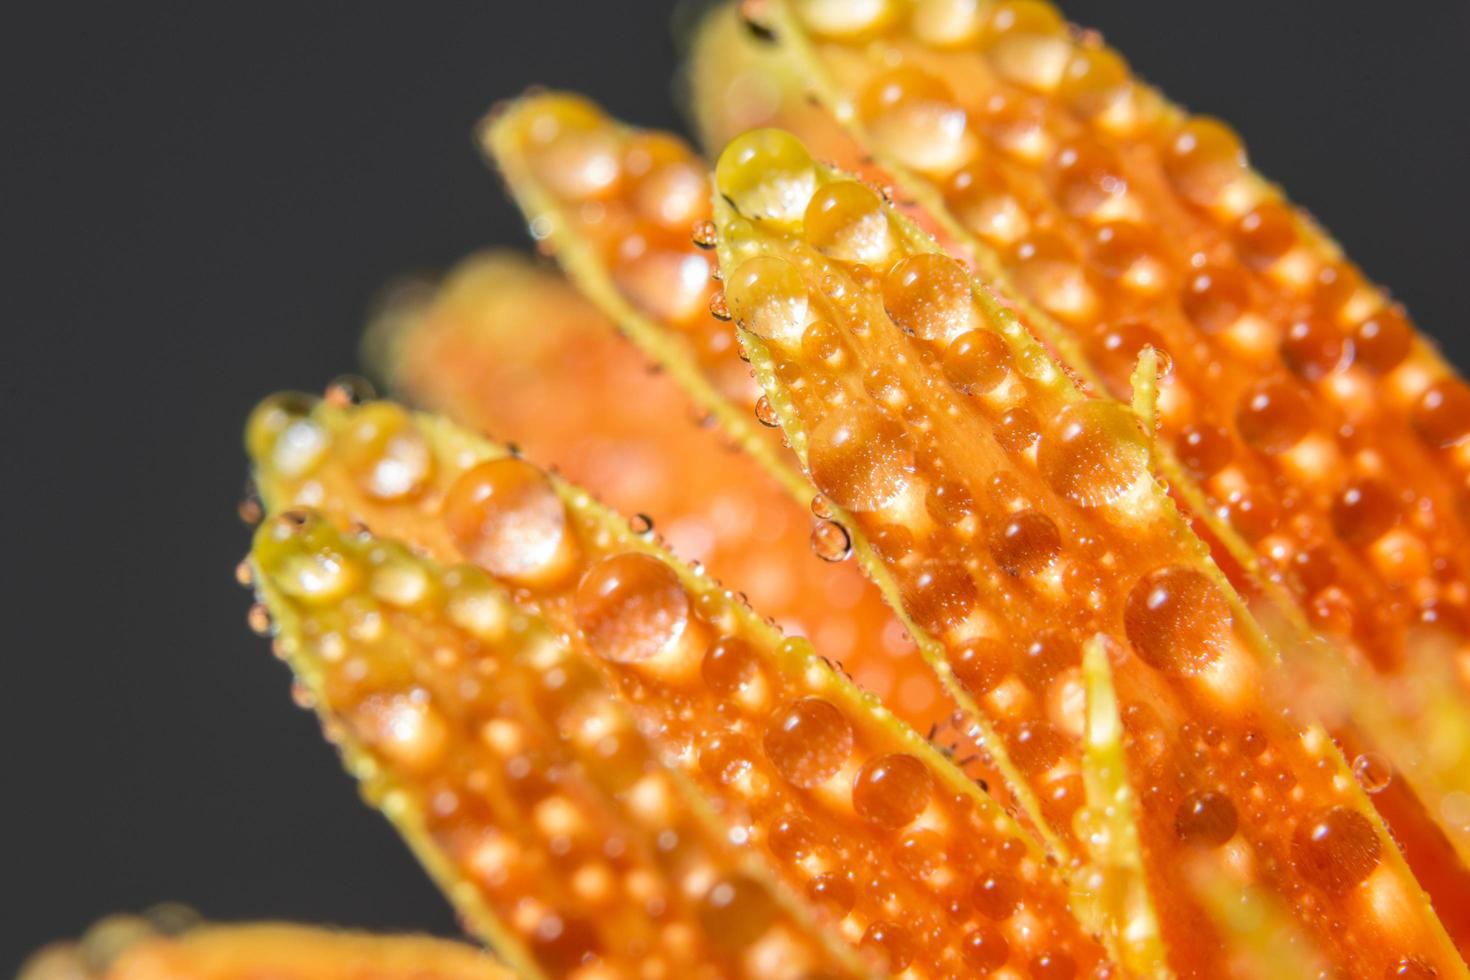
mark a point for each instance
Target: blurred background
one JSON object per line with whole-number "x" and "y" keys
{"x": 201, "y": 202}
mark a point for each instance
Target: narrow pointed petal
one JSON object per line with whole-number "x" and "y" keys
{"x": 1024, "y": 516}
{"x": 892, "y": 844}
{"x": 512, "y": 770}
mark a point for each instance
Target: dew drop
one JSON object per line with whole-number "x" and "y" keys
{"x": 1273, "y": 415}
{"x": 807, "y": 741}
{"x": 1382, "y": 341}
{"x": 830, "y": 541}
{"x": 832, "y": 893}
{"x": 889, "y": 945}
{"x": 505, "y": 516}
{"x": 845, "y": 220}
{"x": 386, "y": 453}
{"x": 1026, "y": 543}
{"x": 997, "y": 895}
{"x": 1442, "y": 415}
{"x": 984, "y": 948}
{"x": 736, "y": 912}
{"x": 766, "y": 296}
{"x": 704, "y": 234}
{"x": 1364, "y": 511}
{"x": 981, "y": 664}
{"x": 977, "y": 361}
{"x": 1204, "y": 160}
{"x": 1177, "y": 620}
{"x": 728, "y": 666}
{"x": 1336, "y": 850}
{"x": 631, "y": 607}
{"x": 1205, "y": 819}
{"x": 1093, "y": 452}
{"x": 765, "y": 413}
{"x": 891, "y": 790}
{"x": 859, "y": 457}
{"x": 913, "y": 116}
{"x": 929, "y": 296}
{"x": 1374, "y": 772}
{"x": 767, "y": 174}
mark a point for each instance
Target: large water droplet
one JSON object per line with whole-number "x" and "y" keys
{"x": 1094, "y": 452}
{"x": 631, "y": 607}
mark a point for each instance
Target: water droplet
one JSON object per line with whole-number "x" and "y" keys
{"x": 718, "y": 308}
{"x": 347, "y": 390}
{"x": 728, "y": 666}
{"x": 1336, "y": 850}
{"x": 889, "y": 945}
{"x": 846, "y": 221}
{"x": 891, "y": 790}
{"x": 929, "y": 296}
{"x": 259, "y": 619}
{"x": 1273, "y": 416}
{"x": 832, "y": 893}
{"x": 765, "y": 413}
{"x": 1026, "y": 543}
{"x": 1205, "y": 819}
{"x": 1094, "y": 452}
{"x": 984, "y": 948}
{"x": 807, "y": 741}
{"x": 913, "y": 116}
{"x": 705, "y": 235}
{"x": 641, "y": 525}
{"x": 631, "y": 607}
{"x": 830, "y": 541}
{"x": 1373, "y": 771}
{"x": 767, "y": 175}
{"x": 386, "y": 453}
{"x": 505, "y": 516}
{"x": 977, "y": 361}
{"x": 1204, "y": 160}
{"x": 1177, "y": 620}
{"x": 860, "y": 457}
{"x": 997, "y": 895}
{"x": 768, "y": 297}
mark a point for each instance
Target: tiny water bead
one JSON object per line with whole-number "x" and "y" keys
{"x": 385, "y": 452}
{"x": 1205, "y": 819}
{"x": 1094, "y": 452}
{"x": 807, "y": 741}
{"x": 631, "y": 607}
{"x": 891, "y": 790}
{"x": 767, "y": 175}
{"x": 976, "y": 362}
{"x": 1336, "y": 850}
{"x": 1177, "y": 620}
{"x": 765, "y": 413}
{"x": 704, "y": 234}
{"x": 1374, "y": 772}
{"x": 505, "y": 516}
{"x": 929, "y": 296}
{"x": 766, "y": 296}
{"x": 1204, "y": 448}
{"x": 860, "y": 457}
{"x": 846, "y": 221}
{"x": 830, "y": 541}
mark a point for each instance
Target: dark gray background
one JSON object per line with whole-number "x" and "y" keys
{"x": 200, "y": 202}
